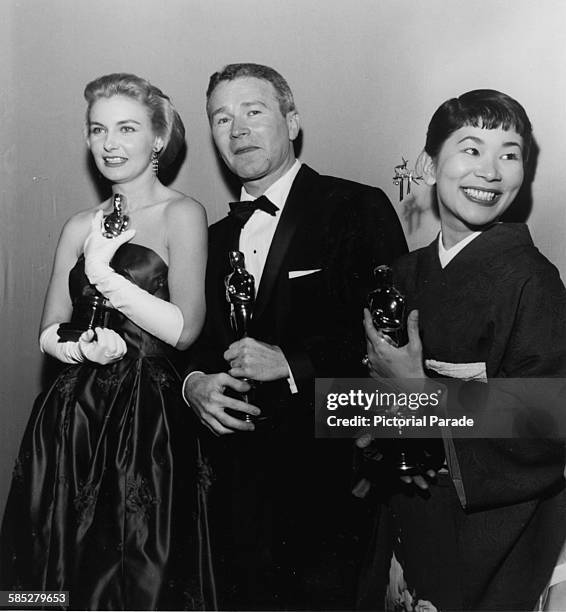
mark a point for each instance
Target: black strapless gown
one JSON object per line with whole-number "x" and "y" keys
{"x": 108, "y": 493}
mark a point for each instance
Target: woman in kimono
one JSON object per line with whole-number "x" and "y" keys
{"x": 484, "y": 532}
{"x": 106, "y": 499}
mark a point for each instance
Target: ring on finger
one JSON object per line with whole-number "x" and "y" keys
{"x": 365, "y": 361}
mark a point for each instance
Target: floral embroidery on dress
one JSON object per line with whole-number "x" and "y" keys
{"x": 139, "y": 496}
{"x": 159, "y": 375}
{"x": 106, "y": 382}
{"x": 205, "y": 474}
{"x": 68, "y": 411}
{"x": 85, "y": 501}
{"x": 67, "y": 382}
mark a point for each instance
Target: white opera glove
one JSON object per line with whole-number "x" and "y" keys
{"x": 68, "y": 352}
{"x": 106, "y": 348}
{"x": 162, "y": 319}
{"x": 99, "y": 250}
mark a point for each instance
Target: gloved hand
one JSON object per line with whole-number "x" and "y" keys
{"x": 99, "y": 250}
{"x": 160, "y": 318}
{"x": 106, "y": 347}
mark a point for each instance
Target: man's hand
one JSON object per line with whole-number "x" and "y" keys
{"x": 249, "y": 358}
{"x": 205, "y": 394}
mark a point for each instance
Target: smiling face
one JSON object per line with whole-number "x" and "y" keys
{"x": 121, "y": 138}
{"x": 477, "y": 173}
{"x": 251, "y": 134}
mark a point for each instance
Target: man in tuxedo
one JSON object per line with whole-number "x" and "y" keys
{"x": 287, "y": 531}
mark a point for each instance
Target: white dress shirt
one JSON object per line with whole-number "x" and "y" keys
{"x": 258, "y": 232}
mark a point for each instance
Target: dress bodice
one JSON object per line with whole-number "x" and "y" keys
{"x": 143, "y": 267}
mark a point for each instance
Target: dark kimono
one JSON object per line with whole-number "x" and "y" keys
{"x": 487, "y": 534}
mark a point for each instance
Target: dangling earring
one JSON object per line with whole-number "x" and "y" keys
{"x": 155, "y": 162}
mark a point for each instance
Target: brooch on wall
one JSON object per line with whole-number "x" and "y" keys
{"x": 402, "y": 176}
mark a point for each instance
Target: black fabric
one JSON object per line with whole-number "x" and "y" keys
{"x": 108, "y": 495}
{"x": 288, "y": 533}
{"x": 242, "y": 211}
{"x": 491, "y": 542}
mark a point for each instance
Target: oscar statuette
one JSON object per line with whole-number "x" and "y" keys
{"x": 387, "y": 308}
{"x": 407, "y": 457}
{"x": 387, "y": 305}
{"x": 92, "y": 309}
{"x": 240, "y": 294}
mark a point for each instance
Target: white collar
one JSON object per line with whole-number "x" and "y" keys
{"x": 278, "y": 191}
{"x": 447, "y": 255}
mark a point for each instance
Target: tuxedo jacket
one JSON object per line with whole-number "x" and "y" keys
{"x": 289, "y": 495}
{"x": 331, "y": 235}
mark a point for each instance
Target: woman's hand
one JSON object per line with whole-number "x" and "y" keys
{"x": 104, "y": 347}
{"x": 388, "y": 361}
{"x": 99, "y": 250}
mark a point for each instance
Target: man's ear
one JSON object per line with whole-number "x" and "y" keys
{"x": 426, "y": 168}
{"x": 293, "y": 124}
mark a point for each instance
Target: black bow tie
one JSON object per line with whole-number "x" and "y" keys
{"x": 242, "y": 211}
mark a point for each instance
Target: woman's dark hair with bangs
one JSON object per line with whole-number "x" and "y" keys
{"x": 165, "y": 120}
{"x": 483, "y": 108}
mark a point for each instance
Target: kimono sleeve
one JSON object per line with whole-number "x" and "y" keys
{"x": 492, "y": 472}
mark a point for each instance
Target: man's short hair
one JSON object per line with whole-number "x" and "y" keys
{"x": 258, "y": 71}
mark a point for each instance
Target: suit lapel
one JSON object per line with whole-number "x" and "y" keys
{"x": 294, "y": 210}
{"x": 232, "y": 236}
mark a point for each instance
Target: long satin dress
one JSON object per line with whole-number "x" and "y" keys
{"x": 108, "y": 493}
